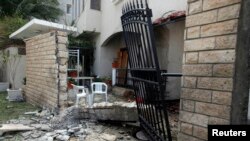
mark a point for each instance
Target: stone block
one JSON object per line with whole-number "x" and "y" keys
{"x": 212, "y": 4}
{"x": 63, "y": 61}
{"x": 62, "y": 47}
{"x": 61, "y": 33}
{"x": 62, "y": 40}
{"x": 63, "y": 68}
{"x": 201, "y": 18}
{"x": 191, "y": 1}
{"x": 63, "y": 54}
{"x": 195, "y": 7}
{"x": 217, "y": 56}
{"x": 194, "y": 118}
{"x": 199, "y": 44}
{"x": 218, "y": 121}
{"x": 186, "y": 128}
{"x": 193, "y": 32}
{"x": 196, "y": 94}
{"x": 63, "y": 76}
{"x": 188, "y": 105}
{"x": 223, "y": 70}
{"x": 192, "y": 58}
{"x": 221, "y": 28}
{"x": 230, "y": 12}
{"x": 215, "y": 110}
{"x": 224, "y": 98}
{"x": 224, "y": 84}
{"x": 226, "y": 42}
{"x": 189, "y": 82}
{"x": 119, "y": 111}
{"x": 184, "y": 137}
{"x": 197, "y": 70}
{"x": 200, "y": 132}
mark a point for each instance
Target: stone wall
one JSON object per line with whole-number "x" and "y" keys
{"x": 46, "y": 71}
{"x": 208, "y": 66}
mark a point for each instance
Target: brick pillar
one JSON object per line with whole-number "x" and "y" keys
{"x": 62, "y": 61}
{"x": 46, "y": 69}
{"x": 208, "y": 66}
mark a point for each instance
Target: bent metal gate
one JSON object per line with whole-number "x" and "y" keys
{"x": 148, "y": 83}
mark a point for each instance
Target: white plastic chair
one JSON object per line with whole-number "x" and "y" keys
{"x": 80, "y": 92}
{"x": 99, "y": 88}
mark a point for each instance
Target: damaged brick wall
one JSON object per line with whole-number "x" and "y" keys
{"x": 46, "y": 72}
{"x": 208, "y": 66}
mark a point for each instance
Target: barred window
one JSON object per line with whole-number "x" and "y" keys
{"x": 95, "y": 4}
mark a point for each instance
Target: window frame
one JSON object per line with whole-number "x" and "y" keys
{"x": 69, "y": 11}
{"x": 94, "y": 6}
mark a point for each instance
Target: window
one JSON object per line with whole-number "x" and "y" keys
{"x": 68, "y": 9}
{"x": 83, "y": 5}
{"x": 95, "y": 4}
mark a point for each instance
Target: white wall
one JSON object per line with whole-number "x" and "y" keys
{"x": 169, "y": 44}
{"x": 65, "y": 18}
{"x": 89, "y": 20}
{"x": 21, "y": 66}
{"x": 111, "y": 24}
{"x": 2, "y": 70}
{"x": 159, "y": 7}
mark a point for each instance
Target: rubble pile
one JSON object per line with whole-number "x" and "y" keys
{"x": 46, "y": 126}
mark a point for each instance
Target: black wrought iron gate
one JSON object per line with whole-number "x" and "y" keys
{"x": 149, "y": 85}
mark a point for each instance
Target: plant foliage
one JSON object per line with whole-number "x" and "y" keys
{"x": 84, "y": 40}
{"x": 15, "y": 13}
{"x": 9, "y": 25}
{"x": 41, "y": 9}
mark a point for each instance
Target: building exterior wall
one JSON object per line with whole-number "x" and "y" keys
{"x": 65, "y": 18}
{"x": 89, "y": 20}
{"x": 169, "y": 45}
{"x": 208, "y": 66}
{"x": 111, "y": 24}
{"x": 20, "y": 68}
{"x": 46, "y": 71}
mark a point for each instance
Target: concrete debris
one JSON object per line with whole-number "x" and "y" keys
{"x": 43, "y": 127}
{"x": 31, "y": 113}
{"x": 50, "y": 139}
{"x": 108, "y": 137}
{"x": 126, "y": 104}
{"x": 14, "y": 127}
{"x": 63, "y": 137}
{"x": 26, "y": 134}
{"x": 36, "y": 134}
{"x": 102, "y": 105}
{"x": 64, "y": 127}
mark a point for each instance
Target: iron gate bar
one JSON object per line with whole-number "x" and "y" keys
{"x": 148, "y": 83}
{"x": 171, "y": 74}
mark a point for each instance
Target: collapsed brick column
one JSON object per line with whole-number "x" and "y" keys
{"x": 208, "y": 66}
{"x": 46, "y": 73}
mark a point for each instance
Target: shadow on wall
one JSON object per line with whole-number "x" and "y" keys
{"x": 170, "y": 46}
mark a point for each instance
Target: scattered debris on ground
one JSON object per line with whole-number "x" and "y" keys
{"x": 41, "y": 125}
{"x": 45, "y": 126}
{"x": 173, "y": 113}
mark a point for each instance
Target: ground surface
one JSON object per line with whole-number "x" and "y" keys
{"x": 11, "y": 110}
